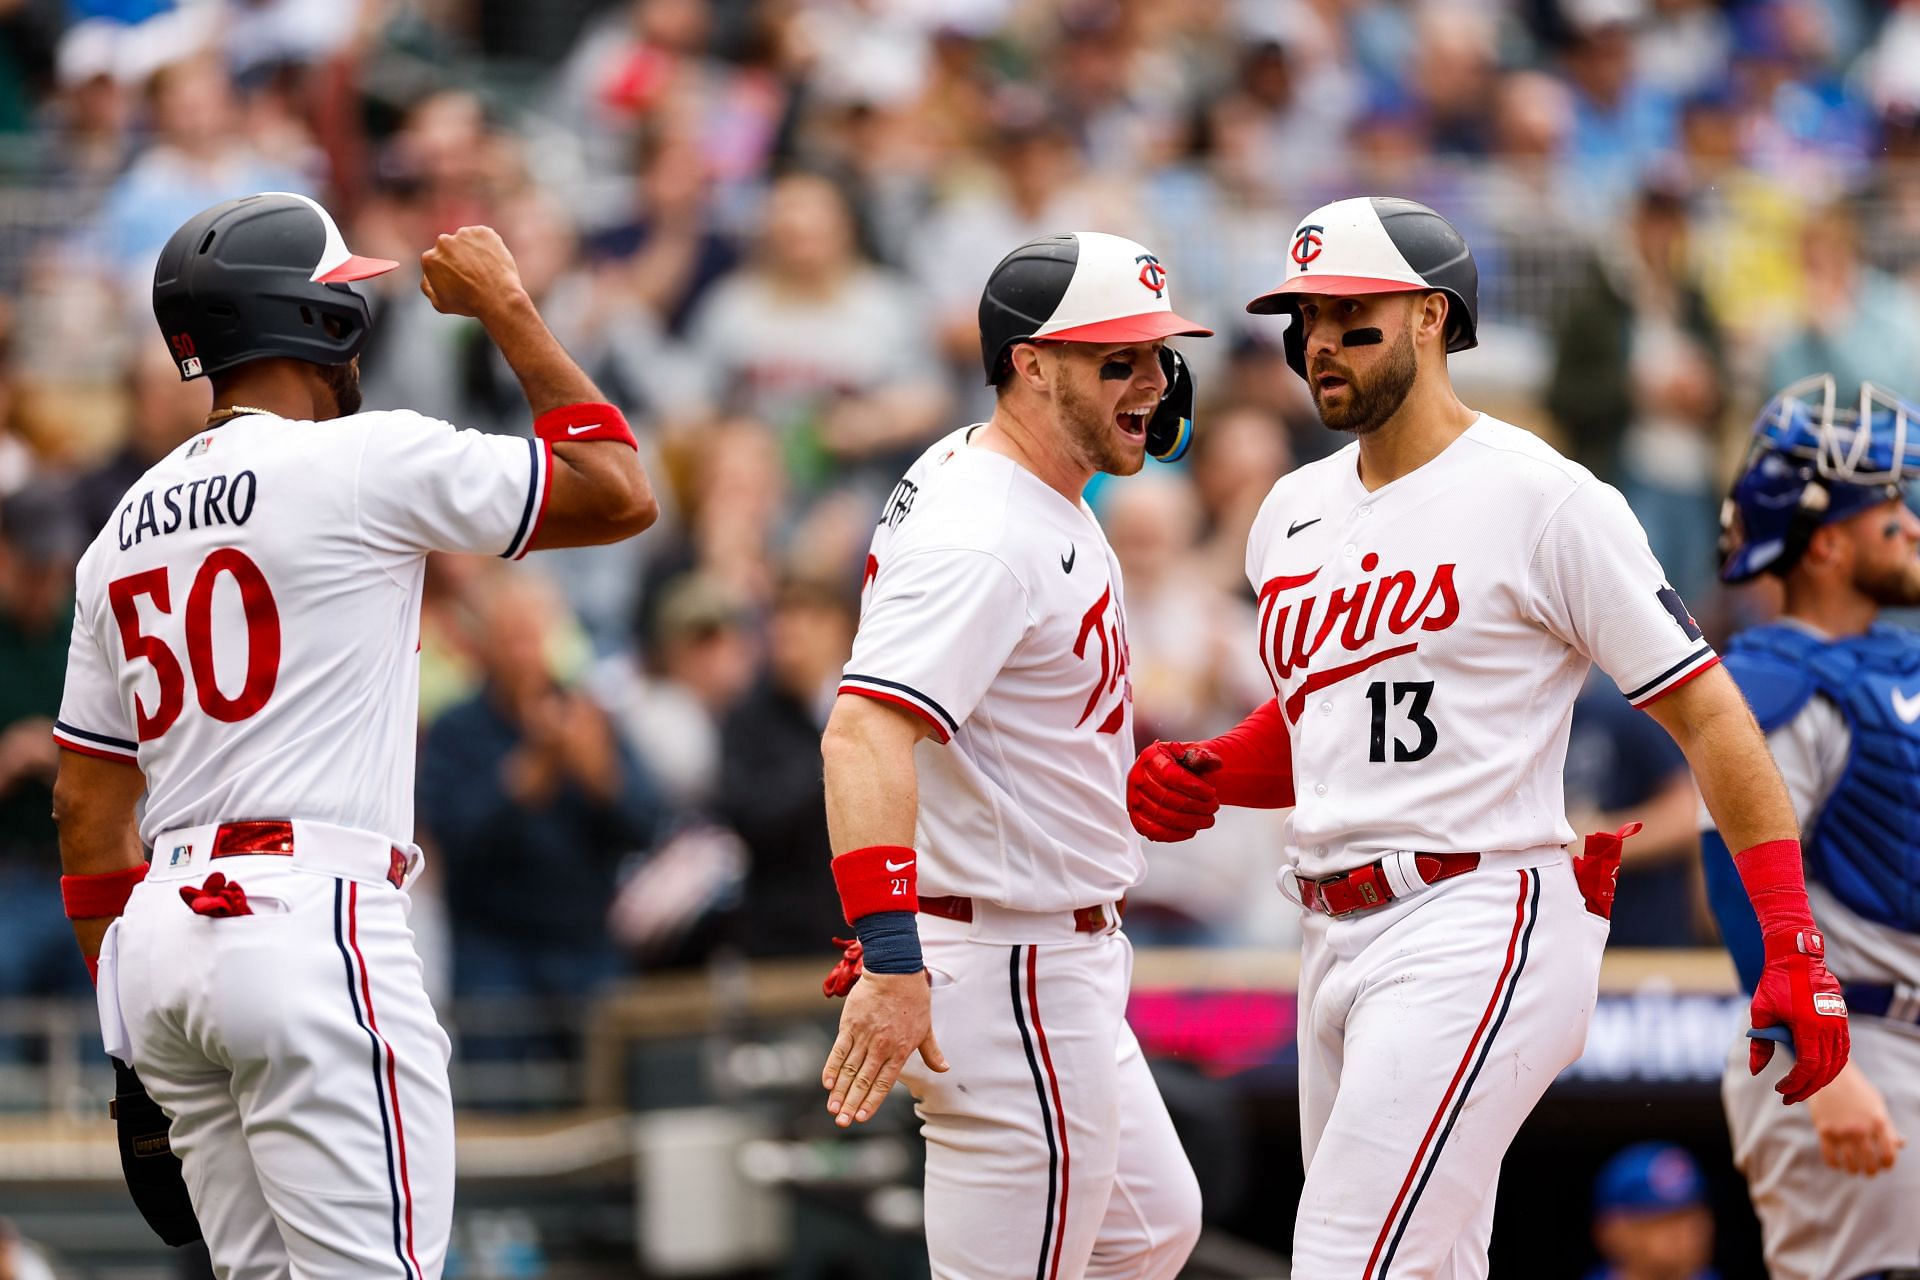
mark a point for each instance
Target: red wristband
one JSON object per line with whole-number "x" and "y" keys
{"x": 589, "y": 420}
{"x": 880, "y": 877}
{"x": 100, "y": 896}
{"x": 1776, "y": 884}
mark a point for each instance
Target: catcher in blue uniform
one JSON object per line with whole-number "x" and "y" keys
{"x": 1821, "y": 504}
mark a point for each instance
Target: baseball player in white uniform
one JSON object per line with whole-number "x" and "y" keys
{"x": 244, "y": 655}
{"x": 1821, "y": 505}
{"x": 975, "y": 773}
{"x": 1430, "y": 598}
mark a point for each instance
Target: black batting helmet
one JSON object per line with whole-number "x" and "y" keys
{"x": 1376, "y": 244}
{"x": 260, "y": 276}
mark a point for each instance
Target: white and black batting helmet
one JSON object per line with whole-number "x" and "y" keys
{"x": 260, "y": 276}
{"x": 1375, "y": 244}
{"x": 1080, "y": 286}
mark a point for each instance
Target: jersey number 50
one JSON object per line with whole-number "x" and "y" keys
{"x": 263, "y": 640}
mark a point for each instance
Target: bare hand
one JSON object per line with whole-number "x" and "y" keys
{"x": 1856, "y": 1133}
{"x": 887, "y": 1017}
{"x": 470, "y": 273}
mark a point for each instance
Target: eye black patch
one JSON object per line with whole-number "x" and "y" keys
{"x": 1115, "y": 371}
{"x": 1362, "y": 337}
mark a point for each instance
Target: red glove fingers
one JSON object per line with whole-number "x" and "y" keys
{"x": 1168, "y": 801}
{"x": 1796, "y": 991}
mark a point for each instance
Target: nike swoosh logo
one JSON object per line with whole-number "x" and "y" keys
{"x": 1908, "y": 709}
{"x": 1295, "y": 528}
{"x": 1066, "y": 561}
{"x": 591, "y": 426}
{"x": 898, "y": 866}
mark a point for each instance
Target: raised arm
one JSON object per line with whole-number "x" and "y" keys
{"x": 1710, "y": 722}
{"x": 598, "y": 490}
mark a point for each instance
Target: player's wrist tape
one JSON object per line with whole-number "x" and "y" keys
{"x": 588, "y": 420}
{"x": 100, "y": 896}
{"x": 889, "y": 942}
{"x": 1776, "y": 884}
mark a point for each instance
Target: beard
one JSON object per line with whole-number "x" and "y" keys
{"x": 1894, "y": 587}
{"x": 1093, "y": 433}
{"x": 1369, "y": 404}
{"x": 343, "y": 381}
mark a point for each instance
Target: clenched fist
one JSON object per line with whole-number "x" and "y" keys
{"x": 470, "y": 273}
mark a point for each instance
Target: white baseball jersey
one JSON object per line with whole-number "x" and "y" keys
{"x": 992, "y": 609}
{"x": 1427, "y": 639}
{"x": 246, "y": 626}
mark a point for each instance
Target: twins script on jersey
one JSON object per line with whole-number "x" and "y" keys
{"x": 1427, "y": 639}
{"x": 992, "y": 610}
{"x": 224, "y": 609}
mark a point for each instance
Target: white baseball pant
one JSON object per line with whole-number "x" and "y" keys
{"x": 1818, "y": 1223}
{"x": 1050, "y": 1155}
{"x": 1429, "y": 1028}
{"x": 295, "y": 1052}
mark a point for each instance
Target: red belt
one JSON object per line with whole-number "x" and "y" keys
{"x": 1096, "y": 919}
{"x": 1366, "y": 887}
{"x": 236, "y": 839}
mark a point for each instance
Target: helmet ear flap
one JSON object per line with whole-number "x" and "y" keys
{"x": 1170, "y": 430}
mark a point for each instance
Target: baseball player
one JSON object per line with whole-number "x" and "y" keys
{"x": 243, "y": 654}
{"x": 1820, "y": 506}
{"x": 1430, "y": 598}
{"x": 975, "y": 775}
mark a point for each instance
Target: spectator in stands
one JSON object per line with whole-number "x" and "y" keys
{"x": 162, "y": 412}
{"x": 533, "y": 801}
{"x": 1650, "y": 1216}
{"x": 1622, "y": 768}
{"x": 40, "y": 540}
{"x": 667, "y": 253}
{"x": 18, "y": 1259}
{"x": 1620, "y": 122}
{"x": 770, "y": 788}
{"x": 1669, "y": 469}
{"x": 1642, "y": 293}
{"x": 200, "y": 155}
{"x": 667, "y": 701}
{"x": 1855, "y": 321}
{"x": 794, "y": 339}
{"x": 1234, "y": 465}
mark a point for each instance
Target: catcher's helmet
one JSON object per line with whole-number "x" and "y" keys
{"x": 1813, "y": 462}
{"x": 263, "y": 275}
{"x": 1375, "y": 244}
{"x": 1087, "y": 286}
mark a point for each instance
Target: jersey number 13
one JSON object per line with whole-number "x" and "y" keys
{"x": 1419, "y": 693}
{"x": 263, "y": 640}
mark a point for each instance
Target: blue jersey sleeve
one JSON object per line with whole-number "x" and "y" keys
{"x": 1739, "y": 928}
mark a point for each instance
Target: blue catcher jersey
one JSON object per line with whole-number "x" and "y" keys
{"x": 1861, "y": 845}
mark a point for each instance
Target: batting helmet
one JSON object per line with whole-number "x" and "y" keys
{"x": 1087, "y": 286}
{"x": 1375, "y": 244}
{"x": 260, "y": 276}
{"x": 1813, "y": 462}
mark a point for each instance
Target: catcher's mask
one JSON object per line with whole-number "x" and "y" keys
{"x": 1812, "y": 462}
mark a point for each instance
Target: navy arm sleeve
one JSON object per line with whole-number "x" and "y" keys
{"x": 1739, "y": 927}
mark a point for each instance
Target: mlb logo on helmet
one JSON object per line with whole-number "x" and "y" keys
{"x": 190, "y": 367}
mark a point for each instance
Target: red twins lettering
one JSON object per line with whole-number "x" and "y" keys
{"x": 1111, "y": 633}
{"x": 1292, "y": 631}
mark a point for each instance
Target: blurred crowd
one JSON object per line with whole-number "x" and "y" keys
{"x": 763, "y": 226}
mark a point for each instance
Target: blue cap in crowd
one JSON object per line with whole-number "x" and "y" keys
{"x": 1649, "y": 1177}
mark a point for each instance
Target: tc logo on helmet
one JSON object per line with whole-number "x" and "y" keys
{"x": 1307, "y": 242}
{"x": 1152, "y": 274}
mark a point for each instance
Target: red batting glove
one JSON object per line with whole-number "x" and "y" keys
{"x": 847, "y": 972}
{"x": 1596, "y": 868}
{"x": 1796, "y": 992}
{"x": 1168, "y": 795}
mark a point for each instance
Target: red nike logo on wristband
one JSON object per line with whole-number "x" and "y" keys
{"x": 898, "y": 866}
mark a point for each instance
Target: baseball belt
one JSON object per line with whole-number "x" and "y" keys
{"x": 1364, "y": 888}
{"x": 1094, "y": 919}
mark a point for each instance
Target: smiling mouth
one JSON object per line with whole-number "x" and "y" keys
{"x": 1133, "y": 425}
